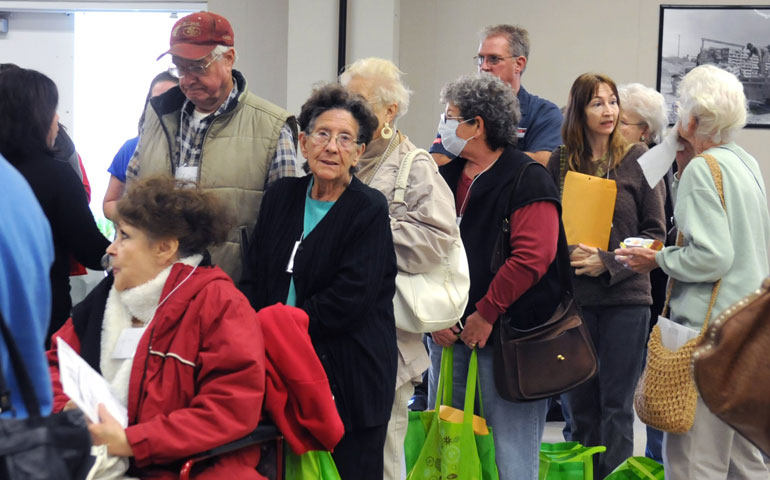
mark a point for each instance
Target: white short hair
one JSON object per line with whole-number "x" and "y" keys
{"x": 384, "y": 78}
{"x": 649, "y": 104}
{"x": 222, "y": 49}
{"x": 715, "y": 98}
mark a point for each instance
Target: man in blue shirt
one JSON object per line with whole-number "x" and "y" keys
{"x": 26, "y": 256}
{"x": 504, "y": 52}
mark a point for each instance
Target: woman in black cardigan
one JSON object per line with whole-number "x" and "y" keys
{"x": 323, "y": 243}
{"x": 28, "y": 129}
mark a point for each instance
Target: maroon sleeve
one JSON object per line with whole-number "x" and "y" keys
{"x": 534, "y": 238}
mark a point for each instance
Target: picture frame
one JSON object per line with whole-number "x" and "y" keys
{"x": 692, "y": 35}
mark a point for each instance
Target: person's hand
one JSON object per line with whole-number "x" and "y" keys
{"x": 684, "y": 155}
{"x": 476, "y": 331}
{"x": 640, "y": 260}
{"x": 111, "y": 433}
{"x": 586, "y": 261}
{"x": 446, "y": 337}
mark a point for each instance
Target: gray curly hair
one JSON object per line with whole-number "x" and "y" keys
{"x": 486, "y": 96}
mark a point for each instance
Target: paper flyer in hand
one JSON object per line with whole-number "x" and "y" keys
{"x": 657, "y": 161}
{"x": 85, "y": 387}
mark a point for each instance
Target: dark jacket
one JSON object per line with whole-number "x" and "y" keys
{"x": 489, "y": 202}
{"x": 344, "y": 276}
{"x": 61, "y": 194}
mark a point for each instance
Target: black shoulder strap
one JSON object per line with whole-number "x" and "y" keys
{"x": 22, "y": 377}
{"x": 562, "y": 250}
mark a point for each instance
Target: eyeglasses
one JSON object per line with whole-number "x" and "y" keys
{"x": 344, "y": 141}
{"x": 196, "y": 69}
{"x": 445, "y": 117}
{"x": 491, "y": 59}
{"x": 627, "y": 124}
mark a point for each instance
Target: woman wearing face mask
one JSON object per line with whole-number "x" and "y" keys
{"x": 477, "y": 126}
{"x": 615, "y": 301}
{"x": 29, "y": 129}
{"x": 423, "y": 225}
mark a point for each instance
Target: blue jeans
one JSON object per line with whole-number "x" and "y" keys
{"x": 602, "y": 408}
{"x": 517, "y": 427}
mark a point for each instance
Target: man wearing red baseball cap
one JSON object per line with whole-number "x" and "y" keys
{"x": 211, "y": 129}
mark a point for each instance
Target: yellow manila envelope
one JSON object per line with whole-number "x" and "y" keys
{"x": 588, "y": 204}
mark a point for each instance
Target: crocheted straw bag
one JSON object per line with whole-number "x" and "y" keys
{"x": 665, "y": 396}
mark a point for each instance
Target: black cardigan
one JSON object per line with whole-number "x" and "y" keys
{"x": 74, "y": 230}
{"x": 344, "y": 276}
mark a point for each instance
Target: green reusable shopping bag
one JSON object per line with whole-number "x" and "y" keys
{"x": 567, "y": 461}
{"x": 416, "y": 431}
{"x": 637, "y": 468}
{"x": 312, "y": 465}
{"x": 452, "y": 450}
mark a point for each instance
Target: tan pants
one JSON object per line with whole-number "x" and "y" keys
{"x": 395, "y": 468}
{"x": 711, "y": 450}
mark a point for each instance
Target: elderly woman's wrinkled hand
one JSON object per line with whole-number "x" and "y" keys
{"x": 640, "y": 260}
{"x": 446, "y": 337}
{"x": 586, "y": 261}
{"x": 476, "y": 332}
{"x": 111, "y": 433}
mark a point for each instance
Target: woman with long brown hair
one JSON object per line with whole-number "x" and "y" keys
{"x": 615, "y": 301}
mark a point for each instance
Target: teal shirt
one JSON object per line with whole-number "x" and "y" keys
{"x": 315, "y": 211}
{"x": 732, "y": 246}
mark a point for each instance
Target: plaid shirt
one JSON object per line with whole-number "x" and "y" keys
{"x": 189, "y": 142}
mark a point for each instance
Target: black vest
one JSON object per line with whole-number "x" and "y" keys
{"x": 492, "y": 199}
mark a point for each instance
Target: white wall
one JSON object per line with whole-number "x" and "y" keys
{"x": 44, "y": 42}
{"x": 616, "y": 37}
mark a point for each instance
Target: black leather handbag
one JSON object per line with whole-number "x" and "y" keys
{"x": 39, "y": 448}
{"x": 552, "y": 357}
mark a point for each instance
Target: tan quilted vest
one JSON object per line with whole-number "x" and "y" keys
{"x": 238, "y": 149}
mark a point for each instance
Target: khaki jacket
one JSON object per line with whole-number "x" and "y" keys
{"x": 423, "y": 229}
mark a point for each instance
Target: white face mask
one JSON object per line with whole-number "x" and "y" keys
{"x": 447, "y": 128}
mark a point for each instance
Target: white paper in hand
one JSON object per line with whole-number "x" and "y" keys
{"x": 85, "y": 387}
{"x": 656, "y": 162}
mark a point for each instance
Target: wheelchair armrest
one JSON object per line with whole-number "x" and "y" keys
{"x": 265, "y": 432}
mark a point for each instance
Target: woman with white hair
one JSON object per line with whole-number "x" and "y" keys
{"x": 643, "y": 117}
{"x": 423, "y": 226}
{"x": 727, "y": 242}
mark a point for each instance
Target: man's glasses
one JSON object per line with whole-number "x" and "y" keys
{"x": 478, "y": 60}
{"x": 344, "y": 141}
{"x": 196, "y": 69}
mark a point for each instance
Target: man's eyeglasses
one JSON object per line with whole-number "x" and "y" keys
{"x": 491, "y": 59}
{"x": 196, "y": 69}
{"x": 344, "y": 141}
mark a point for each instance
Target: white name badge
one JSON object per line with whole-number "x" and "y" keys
{"x": 520, "y": 132}
{"x": 187, "y": 173}
{"x": 127, "y": 343}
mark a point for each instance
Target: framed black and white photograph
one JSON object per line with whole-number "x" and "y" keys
{"x": 735, "y": 38}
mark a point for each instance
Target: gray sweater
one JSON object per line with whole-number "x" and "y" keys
{"x": 638, "y": 213}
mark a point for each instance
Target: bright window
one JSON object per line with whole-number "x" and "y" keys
{"x": 115, "y": 60}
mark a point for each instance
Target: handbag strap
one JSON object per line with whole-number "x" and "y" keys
{"x": 562, "y": 169}
{"x": 19, "y": 370}
{"x": 403, "y": 174}
{"x": 716, "y": 175}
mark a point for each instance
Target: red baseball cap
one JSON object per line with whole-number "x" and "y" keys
{"x": 196, "y": 35}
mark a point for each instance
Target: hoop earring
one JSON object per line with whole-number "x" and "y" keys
{"x": 386, "y": 131}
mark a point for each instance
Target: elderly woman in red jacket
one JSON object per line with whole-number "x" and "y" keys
{"x": 195, "y": 375}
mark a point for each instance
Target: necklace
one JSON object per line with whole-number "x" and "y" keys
{"x": 388, "y": 151}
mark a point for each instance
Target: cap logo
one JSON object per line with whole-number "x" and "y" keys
{"x": 188, "y": 29}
